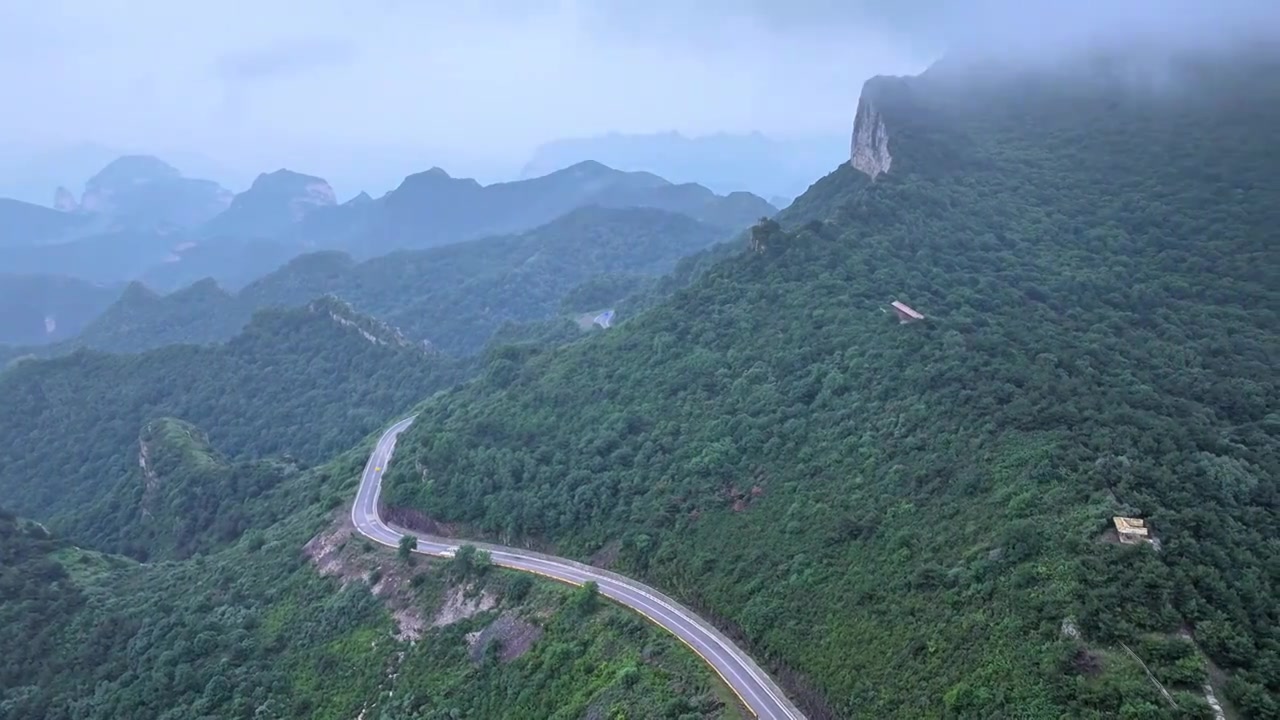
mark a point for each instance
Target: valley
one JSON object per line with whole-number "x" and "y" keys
{"x": 982, "y": 424}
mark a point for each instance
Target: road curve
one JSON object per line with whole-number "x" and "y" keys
{"x": 753, "y": 686}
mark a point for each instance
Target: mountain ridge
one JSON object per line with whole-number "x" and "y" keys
{"x": 286, "y": 214}
{"x": 725, "y": 162}
{"x": 305, "y": 382}
{"x": 454, "y": 295}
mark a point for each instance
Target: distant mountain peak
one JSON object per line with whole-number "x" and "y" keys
{"x": 590, "y": 167}
{"x": 142, "y": 190}
{"x": 133, "y": 170}
{"x": 63, "y": 200}
{"x": 302, "y": 189}
{"x": 137, "y": 292}
{"x": 274, "y": 201}
{"x": 435, "y": 178}
{"x": 204, "y": 286}
{"x": 721, "y": 162}
{"x": 284, "y": 175}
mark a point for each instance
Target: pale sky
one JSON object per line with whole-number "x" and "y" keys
{"x": 311, "y": 83}
{"x": 492, "y": 78}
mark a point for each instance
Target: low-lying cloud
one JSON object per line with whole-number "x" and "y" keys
{"x": 285, "y": 82}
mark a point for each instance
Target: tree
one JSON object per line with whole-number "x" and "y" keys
{"x": 763, "y": 233}
{"x": 468, "y": 560}
{"x": 408, "y": 543}
{"x": 587, "y": 598}
{"x": 520, "y": 588}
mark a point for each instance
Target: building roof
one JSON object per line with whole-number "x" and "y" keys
{"x": 909, "y": 311}
{"x": 1130, "y": 526}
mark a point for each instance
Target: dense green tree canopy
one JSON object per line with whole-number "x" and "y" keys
{"x": 901, "y": 517}
{"x": 303, "y": 383}
{"x": 253, "y": 633}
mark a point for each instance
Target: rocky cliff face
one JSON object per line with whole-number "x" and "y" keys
{"x": 870, "y": 147}
{"x": 315, "y": 194}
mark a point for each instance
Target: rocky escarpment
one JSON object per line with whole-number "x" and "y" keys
{"x": 870, "y": 147}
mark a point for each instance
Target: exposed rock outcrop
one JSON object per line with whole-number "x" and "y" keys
{"x": 869, "y": 152}
{"x": 335, "y": 552}
{"x": 463, "y": 602}
{"x": 513, "y": 635}
{"x": 375, "y": 331}
{"x": 150, "y": 480}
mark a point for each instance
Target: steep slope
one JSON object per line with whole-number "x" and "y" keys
{"x": 307, "y": 382}
{"x": 911, "y": 519}
{"x": 456, "y": 296}
{"x": 38, "y": 309}
{"x": 253, "y": 631}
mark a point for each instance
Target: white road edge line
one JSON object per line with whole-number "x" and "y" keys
{"x": 375, "y": 467}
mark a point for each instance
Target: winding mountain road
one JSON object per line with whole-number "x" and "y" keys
{"x": 752, "y": 685}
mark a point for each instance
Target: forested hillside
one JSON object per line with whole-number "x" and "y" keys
{"x": 305, "y": 383}
{"x": 185, "y": 497}
{"x": 911, "y": 520}
{"x": 455, "y": 296}
{"x": 255, "y": 632}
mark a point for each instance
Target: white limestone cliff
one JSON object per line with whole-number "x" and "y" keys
{"x": 869, "y": 152}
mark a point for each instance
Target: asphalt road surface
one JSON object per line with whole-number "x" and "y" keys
{"x": 753, "y": 686}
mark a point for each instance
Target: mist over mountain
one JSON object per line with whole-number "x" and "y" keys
{"x": 140, "y": 191}
{"x": 39, "y": 309}
{"x": 453, "y": 297}
{"x": 985, "y": 423}
{"x": 862, "y": 496}
{"x": 139, "y": 219}
{"x": 33, "y": 173}
{"x": 271, "y": 205}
